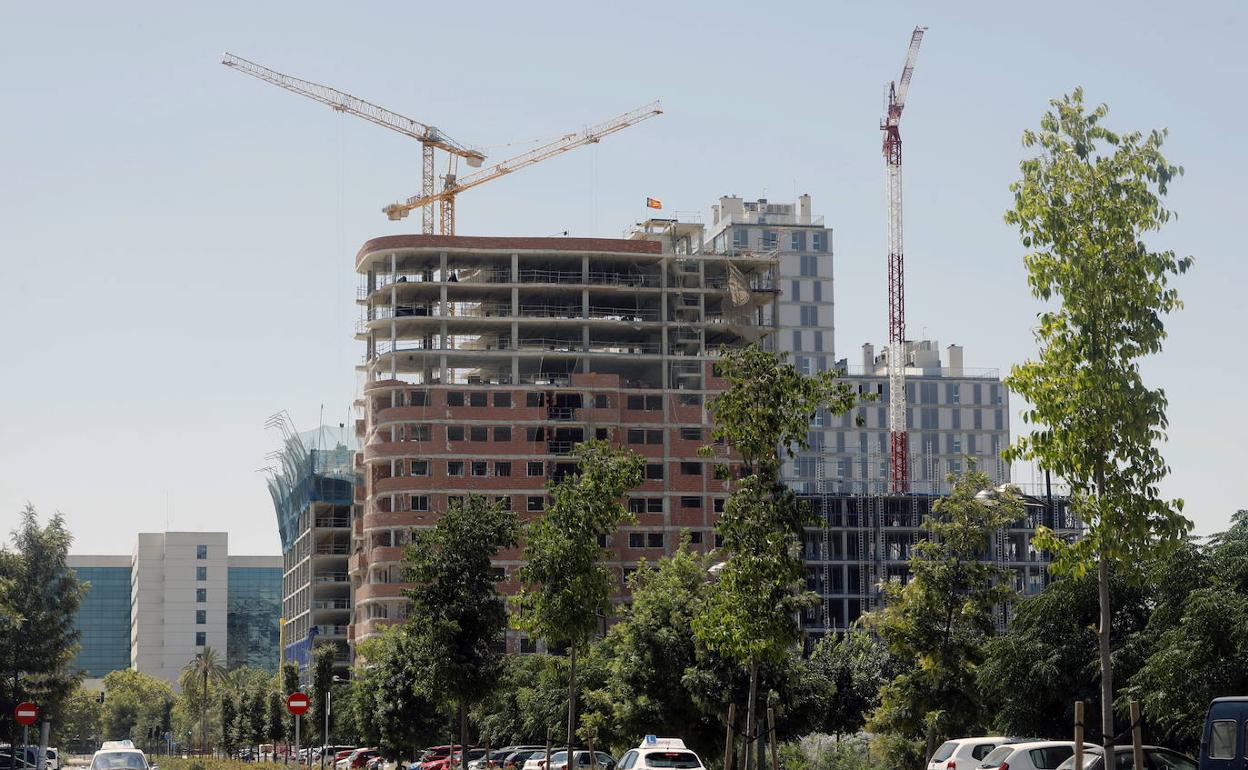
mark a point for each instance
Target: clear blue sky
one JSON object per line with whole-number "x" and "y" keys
{"x": 178, "y": 238}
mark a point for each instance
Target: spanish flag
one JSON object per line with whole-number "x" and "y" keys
{"x": 654, "y": 203}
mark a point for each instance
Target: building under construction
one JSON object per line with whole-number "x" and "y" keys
{"x": 312, "y": 480}
{"x": 487, "y": 360}
{"x": 862, "y": 541}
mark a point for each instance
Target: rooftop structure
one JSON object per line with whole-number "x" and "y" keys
{"x": 486, "y": 360}
{"x": 313, "y": 494}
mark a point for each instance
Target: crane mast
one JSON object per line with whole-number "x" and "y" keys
{"x": 898, "y": 440}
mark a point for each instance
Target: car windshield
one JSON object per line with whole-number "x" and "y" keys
{"x": 119, "y": 760}
{"x": 677, "y": 759}
{"x": 944, "y": 752}
{"x": 997, "y": 756}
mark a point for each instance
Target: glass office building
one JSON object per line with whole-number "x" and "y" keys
{"x": 103, "y": 619}
{"x": 254, "y": 605}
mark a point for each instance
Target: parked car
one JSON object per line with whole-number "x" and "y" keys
{"x": 1220, "y": 748}
{"x": 1029, "y": 755}
{"x": 559, "y": 761}
{"x": 435, "y": 755}
{"x": 454, "y": 760}
{"x": 54, "y": 759}
{"x": 965, "y": 753}
{"x": 1156, "y": 758}
{"x": 516, "y": 760}
{"x": 498, "y": 756}
{"x": 660, "y": 754}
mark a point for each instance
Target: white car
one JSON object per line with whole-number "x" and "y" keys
{"x": 1033, "y": 755}
{"x": 965, "y": 753}
{"x": 119, "y": 759}
{"x": 54, "y": 759}
{"x": 660, "y": 754}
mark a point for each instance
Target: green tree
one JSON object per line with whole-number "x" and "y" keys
{"x": 253, "y": 712}
{"x": 458, "y": 618}
{"x": 196, "y": 680}
{"x": 1032, "y": 675}
{"x": 532, "y": 697}
{"x": 391, "y": 690}
{"x": 136, "y": 706}
{"x": 275, "y": 719}
{"x": 565, "y": 588}
{"x": 229, "y": 723}
{"x": 289, "y": 677}
{"x": 939, "y": 622}
{"x": 79, "y": 728}
{"x": 1199, "y": 647}
{"x": 1082, "y": 206}
{"x": 322, "y": 680}
{"x": 854, "y": 667}
{"x": 650, "y": 649}
{"x": 764, "y": 416}
{"x": 39, "y": 596}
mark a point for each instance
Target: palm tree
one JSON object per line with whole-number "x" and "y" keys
{"x": 203, "y": 667}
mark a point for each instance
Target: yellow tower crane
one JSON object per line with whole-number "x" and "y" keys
{"x": 431, "y": 139}
{"x": 453, "y": 186}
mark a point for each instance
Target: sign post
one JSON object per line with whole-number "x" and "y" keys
{"x": 297, "y": 704}
{"x": 25, "y": 714}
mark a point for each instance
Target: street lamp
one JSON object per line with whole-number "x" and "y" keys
{"x": 328, "y": 700}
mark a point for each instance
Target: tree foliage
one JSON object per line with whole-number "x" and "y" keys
{"x": 393, "y": 710}
{"x": 938, "y": 623}
{"x": 322, "y": 681}
{"x": 39, "y": 596}
{"x": 853, "y": 668}
{"x": 1083, "y": 207}
{"x": 136, "y": 706}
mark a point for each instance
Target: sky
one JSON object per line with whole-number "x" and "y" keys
{"x": 177, "y": 239}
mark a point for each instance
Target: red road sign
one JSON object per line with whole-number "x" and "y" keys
{"x": 296, "y": 703}
{"x": 26, "y": 713}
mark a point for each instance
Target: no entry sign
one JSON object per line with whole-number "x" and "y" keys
{"x": 26, "y": 713}
{"x": 297, "y": 703}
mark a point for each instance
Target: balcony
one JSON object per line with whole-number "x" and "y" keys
{"x": 333, "y": 522}
{"x": 331, "y": 604}
{"x": 331, "y": 631}
{"x": 333, "y": 549}
{"x": 331, "y": 578}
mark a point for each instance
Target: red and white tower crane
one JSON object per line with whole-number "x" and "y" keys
{"x": 899, "y": 461}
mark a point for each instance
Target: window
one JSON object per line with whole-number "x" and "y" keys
{"x": 527, "y": 646}
{"x": 690, "y": 399}
{"x": 478, "y": 398}
{"x": 690, "y": 502}
{"x": 953, "y": 394}
{"x": 201, "y": 551}
{"x": 532, "y": 399}
{"x": 1222, "y": 739}
{"x": 601, "y": 401}
{"x": 502, "y": 399}
{"x": 809, "y": 315}
{"x": 502, "y": 434}
{"x": 454, "y": 501}
{"x": 645, "y": 403}
{"x": 201, "y": 573}
{"x": 454, "y": 398}
{"x": 654, "y": 540}
{"x": 454, "y": 467}
{"x": 719, "y": 505}
{"x": 419, "y": 502}
{"x": 502, "y": 469}
{"x": 420, "y": 468}
{"x": 201, "y": 594}
{"x": 536, "y": 468}
{"x": 418, "y": 433}
{"x": 1050, "y": 757}
{"x": 797, "y": 339}
{"x": 809, "y": 266}
{"x": 654, "y": 505}
{"x": 741, "y": 238}
{"x": 695, "y": 537}
{"x": 636, "y": 505}
{"x": 479, "y": 433}
{"x": 819, "y": 242}
{"x": 691, "y": 434}
{"x": 418, "y": 398}
{"x": 797, "y": 291}
{"x": 201, "y": 617}
{"x": 602, "y": 434}
{"x": 770, "y": 239}
{"x": 636, "y": 540}
{"x": 818, "y": 342}
{"x": 690, "y": 469}
{"x": 816, "y": 288}
{"x": 480, "y": 468}
{"x": 654, "y": 471}
{"x": 797, "y": 241}
{"x": 534, "y": 434}
{"x": 537, "y": 503}
{"x": 636, "y": 436}
{"x": 454, "y": 433}
{"x": 719, "y": 541}
{"x": 201, "y": 638}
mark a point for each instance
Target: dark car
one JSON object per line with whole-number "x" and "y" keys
{"x": 1155, "y": 758}
{"x": 1223, "y": 744}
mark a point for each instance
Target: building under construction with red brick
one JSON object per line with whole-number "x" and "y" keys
{"x": 486, "y": 360}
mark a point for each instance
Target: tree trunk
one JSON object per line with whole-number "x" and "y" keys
{"x": 751, "y": 719}
{"x": 463, "y": 736}
{"x": 1107, "y": 664}
{"x": 203, "y": 716}
{"x": 571, "y": 705}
